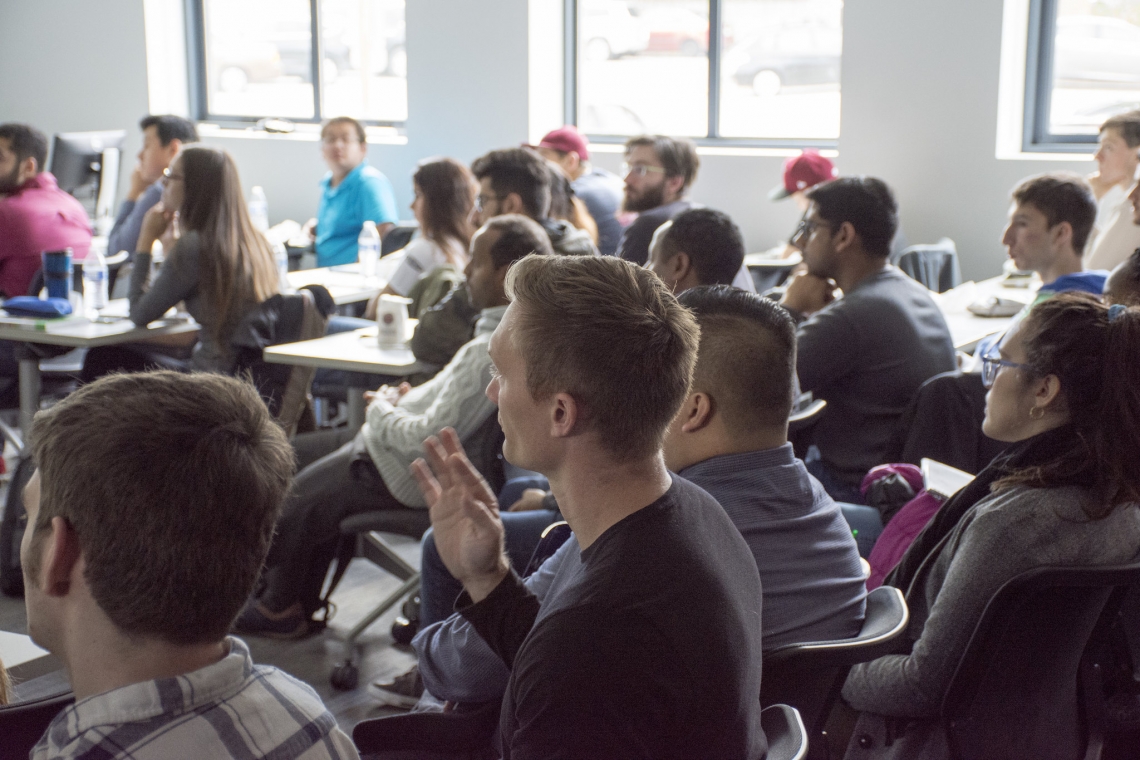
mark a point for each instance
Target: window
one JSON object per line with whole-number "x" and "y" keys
{"x": 1083, "y": 66}
{"x": 745, "y": 71}
{"x": 255, "y": 58}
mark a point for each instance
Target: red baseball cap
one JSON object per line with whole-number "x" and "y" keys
{"x": 803, "y": 171}
{"x": 566, "y": 139}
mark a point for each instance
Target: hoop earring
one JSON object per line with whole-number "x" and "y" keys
{"x": 1036, "y": 412}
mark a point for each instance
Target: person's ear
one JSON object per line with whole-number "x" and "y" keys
{"x": 1047, "y": 393}
{"x": 512, "y": 204}
{"x": 172, "y": 149}
{"x": 60, "y": 557}
{"x": 1061, "y": 234}
{"x": 565, "y": 415}
{"x": 697, "y": 411}
{"x": 844, "y": 237}
{"x": 27, "y": 169}
{"x": 675, "y": 185}
{"x": 679, "y": 266}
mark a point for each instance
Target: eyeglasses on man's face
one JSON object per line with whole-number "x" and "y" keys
{"x": 640, "y": 170}
{"x": 333, "y": 140}
{"x": 807, "y": 226}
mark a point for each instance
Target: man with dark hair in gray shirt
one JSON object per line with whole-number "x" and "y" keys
{"x": 163, "y": 137}
{"x": 868, "y": 352}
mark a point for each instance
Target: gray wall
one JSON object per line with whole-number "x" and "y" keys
{"x": 920, "y": 92}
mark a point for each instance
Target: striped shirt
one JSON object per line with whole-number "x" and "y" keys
{"x": 232, "y": 709}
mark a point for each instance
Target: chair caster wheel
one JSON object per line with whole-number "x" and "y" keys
{"x": 404, "y": 630}
{"x": 344, "y": 677}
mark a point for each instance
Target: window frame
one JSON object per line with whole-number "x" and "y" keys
{"x": 198, "y": 85}
{"x": 713, "y": 138}
{"x": 1039, "y": 59}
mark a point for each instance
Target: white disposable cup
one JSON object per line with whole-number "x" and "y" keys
{"x": 392, "y": 321}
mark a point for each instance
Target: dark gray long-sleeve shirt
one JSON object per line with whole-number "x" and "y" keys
{"x": 124, "y": 236}
{"x": 866, "y": 354}
{"x": 178, "y": 281}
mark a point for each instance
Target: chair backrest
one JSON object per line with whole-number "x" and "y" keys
{"x": 398, "y": 237}
{"x": 809, "y": 676}
{"x": 1015, "y": 692}
{"x": 282, "y": 319}
{"x": 23, "y": 723}
{"x": 784, "y": 729}
{"x": 464, "y": 734}
{"x": 935, "y": 266}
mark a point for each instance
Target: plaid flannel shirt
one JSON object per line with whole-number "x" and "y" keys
{"x": 232, "y": 709}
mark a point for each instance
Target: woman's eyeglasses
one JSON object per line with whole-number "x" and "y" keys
{"x": 169, "y": 176}
{"x": 991, "y": 365}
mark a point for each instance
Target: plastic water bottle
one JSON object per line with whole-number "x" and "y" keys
{"x": 258, "y": 209}
{"x": 95, "y": 295}
{"x": 281, "y": 256}
{"x": 368, "y": 249}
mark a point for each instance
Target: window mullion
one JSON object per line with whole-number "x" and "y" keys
{"x": 315, "y": 63}
{"x": 570, "y": 56}
{"x": 715, "y": 24}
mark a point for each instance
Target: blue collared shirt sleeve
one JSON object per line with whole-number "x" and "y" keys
{"x": 457, "y": 665}
{"x": 124, "y": 236}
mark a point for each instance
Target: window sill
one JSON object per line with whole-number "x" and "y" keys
{"x": 303, "y": 133}
{"x": 726, "y": 150}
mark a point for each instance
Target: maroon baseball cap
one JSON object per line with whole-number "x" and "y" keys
{"x": 566, "y": 139}
{"x": 803, "y": 171}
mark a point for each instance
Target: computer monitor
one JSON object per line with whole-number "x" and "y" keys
{"x": 86, "y": 165}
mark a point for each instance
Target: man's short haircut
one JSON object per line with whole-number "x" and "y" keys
{"x": 1061, "y": 197}
{"x": 356, "y": 125}
{"x": 171, "y": 128}
{"x": 867, "y": 203}
{"x": 747, "y": 358}
{"x": 172, "y": 483}
{"x": 25, "y": 140}
{"x": 678, "y": 155}
{"x": 608, "y": 333}
{"x": 712, "y": 241}
{"x": 1127, "y": 125}
{"x": 521, "y": 171}
{"x": 518, "y": 236}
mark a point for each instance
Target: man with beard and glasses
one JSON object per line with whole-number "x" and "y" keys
{"x": 35, "y": 215}
{"x": 658, "y": 171}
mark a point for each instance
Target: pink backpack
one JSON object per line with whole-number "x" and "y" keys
{"x": 898, "y": 535}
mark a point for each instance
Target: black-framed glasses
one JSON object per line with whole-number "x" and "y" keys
{"x": 991, "y": 365}
{"x": 481, "y": 201}
{"x": 806, "y": 226}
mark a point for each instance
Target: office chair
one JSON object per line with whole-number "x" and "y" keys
{"x": 1026, "y": 686}
{"x": 361, "y": 536}
{"x": 935, "y": 266}
{"x": 23, "y": 723}
{"x": 809, "y": 676}
{"x": 784, "y": 729}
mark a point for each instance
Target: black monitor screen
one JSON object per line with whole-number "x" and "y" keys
{"x": 77, "y": 160}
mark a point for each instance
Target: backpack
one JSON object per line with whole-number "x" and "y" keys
{"x": 12, "y": 529}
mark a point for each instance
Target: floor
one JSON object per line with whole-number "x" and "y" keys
{"x": 312, "y": 659}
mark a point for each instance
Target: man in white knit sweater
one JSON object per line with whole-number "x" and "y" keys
{"x": 370, "y": 472}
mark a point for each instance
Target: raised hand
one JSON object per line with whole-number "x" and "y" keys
{"x": 464, "y": 515}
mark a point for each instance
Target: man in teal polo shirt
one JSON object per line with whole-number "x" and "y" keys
{"x": 351, "y": 193}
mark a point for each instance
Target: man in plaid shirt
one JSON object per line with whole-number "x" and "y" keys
{"x": 149, "y": 518}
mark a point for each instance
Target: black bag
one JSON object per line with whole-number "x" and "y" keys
{"x": 12, "y": 529}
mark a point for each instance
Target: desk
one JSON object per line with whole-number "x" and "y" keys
{"x": 77, "y": 332}
{"x": 355, "y": 351}
{"x": 23, "y": 659}
{"x": 345, "y": 283}
{"x": 967, "y": 328}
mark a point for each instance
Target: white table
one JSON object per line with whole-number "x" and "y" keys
{"x": 23, "y": 659}
{"x": 967, "y": 328}
{"x": 345, "y": 283}
{"x": 355, "y": 351}
{"x": 78, "y": 332}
